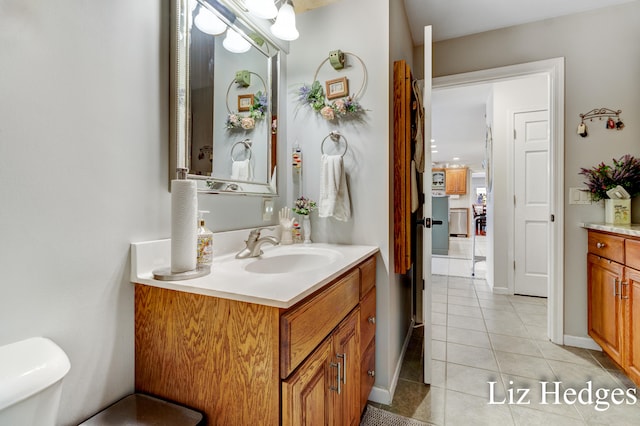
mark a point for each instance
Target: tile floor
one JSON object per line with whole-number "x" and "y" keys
{"x": 460, "y": 261}
{"x": 480, "y": 337}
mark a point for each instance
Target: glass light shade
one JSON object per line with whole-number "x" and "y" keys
{"x": 234, "y": 42}
{"x": 285, "y": 26}
{"x": 265, "y": 9}
{"x": 209, "y": 23}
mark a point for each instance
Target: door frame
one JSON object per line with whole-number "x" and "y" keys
{"x": 554, "y": 69}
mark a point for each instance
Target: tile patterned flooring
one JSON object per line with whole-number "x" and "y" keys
{"x": 481, "y": 337}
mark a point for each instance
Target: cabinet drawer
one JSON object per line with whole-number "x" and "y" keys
{"x": 607, "y": 246}
{"x": 367, "y": 319}
{"x": 632, "y": 253}
{"x": 367, "y": 275}
{"x": 304, "y": 327}
{"x": 367, "y": 373}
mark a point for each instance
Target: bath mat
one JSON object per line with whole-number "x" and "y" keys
{"x": 377, "y": 417}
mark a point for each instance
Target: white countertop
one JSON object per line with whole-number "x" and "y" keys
{"x": 631, "y": 230}
{"x": 230, "y": 280}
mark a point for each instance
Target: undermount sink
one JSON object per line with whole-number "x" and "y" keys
{"x": 281, "y": 260}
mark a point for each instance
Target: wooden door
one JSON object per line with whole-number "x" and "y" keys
{"x": 604, "y": 305}
{"x": 346, "y": 347}
{"x": 402, "y": 100}
{"x": 306, "y": 399}
{"x": 631, "y": 298}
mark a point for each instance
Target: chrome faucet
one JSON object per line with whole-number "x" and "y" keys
{"x": 254, "y": 242}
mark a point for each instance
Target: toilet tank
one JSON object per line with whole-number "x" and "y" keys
{"x": 31, "y": 373}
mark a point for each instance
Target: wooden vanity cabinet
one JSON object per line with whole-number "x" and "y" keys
{"x": 455, "y": 181}
{"x": 248, "y": 364}
{"x": 613, "y": 278}
{"x": 605, "y": 306}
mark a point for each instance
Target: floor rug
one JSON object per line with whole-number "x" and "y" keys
{"x": 377, "y": 417}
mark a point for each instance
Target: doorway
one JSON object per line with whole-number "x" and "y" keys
{"x": 553, "y": 71}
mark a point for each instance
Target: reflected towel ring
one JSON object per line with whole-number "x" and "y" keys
{"x": 335, "y": 136}
{"x": 247, "y": 147}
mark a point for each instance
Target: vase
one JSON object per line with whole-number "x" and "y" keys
{"x": 306, "y": 229}
{"x": 617, "y": 212}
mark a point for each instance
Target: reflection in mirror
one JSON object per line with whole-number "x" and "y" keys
{"x": 228, "y": 72}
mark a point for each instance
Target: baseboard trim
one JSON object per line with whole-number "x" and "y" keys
{"x": 581, "y": 342}
{"x": 385, "y": 396}
{"x": 501, "y": 290}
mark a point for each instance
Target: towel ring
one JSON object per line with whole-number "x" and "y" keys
{"x": 247, "y": 147}
{"x": 335, "y": 136}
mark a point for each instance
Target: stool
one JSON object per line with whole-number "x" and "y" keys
{"x": 143, "y": 410}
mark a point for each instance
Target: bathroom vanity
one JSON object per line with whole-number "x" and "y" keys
{"x": 300, "y": 356}
{"x": 613, "y": 279}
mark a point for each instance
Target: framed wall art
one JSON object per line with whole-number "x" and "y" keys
{"x": 337, "y": 88}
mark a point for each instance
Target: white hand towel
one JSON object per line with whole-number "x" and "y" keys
{"x": 334, "y": 194}
{"x": 241, "y": 170}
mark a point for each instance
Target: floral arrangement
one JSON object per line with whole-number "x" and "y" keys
{"x": 304, "y": 206}
{"x": 624, "y": 172}
{"x": 340, "y": 108}
{"x": 257, "y": 111}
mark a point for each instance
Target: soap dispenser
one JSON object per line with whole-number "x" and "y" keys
{"x": 205, "y": 243}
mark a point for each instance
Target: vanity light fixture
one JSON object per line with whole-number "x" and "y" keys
{"x": 209, "y": 23}
{"x": 285, "y": 26}
{"x": 265, "y": 9}
{"x": 234, "y": 42}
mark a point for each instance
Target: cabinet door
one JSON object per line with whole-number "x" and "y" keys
{"x": 605, "y": 307}
{"x": 456, "y": 181}
{"x": 631, "y": 297}
{"x": 346, "y": 345}
{"x": 306, "y": 399}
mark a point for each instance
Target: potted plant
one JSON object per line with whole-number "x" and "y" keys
{"x": 624, "y": 172}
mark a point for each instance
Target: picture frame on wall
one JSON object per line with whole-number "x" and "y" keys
{"x": 337, "y": 88}
{"x": 245, "y": 102}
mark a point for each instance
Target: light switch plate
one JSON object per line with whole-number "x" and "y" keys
{"x": 267, "y": 209}
{"x": 579, "y": 196}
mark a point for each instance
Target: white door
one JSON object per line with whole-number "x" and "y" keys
{"x": 426, "y": 209}
{"x": 531, "y": 211}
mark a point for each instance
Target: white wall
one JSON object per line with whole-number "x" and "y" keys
{"x": 83, "y": 173}
{"x": 368, "y": 158}
{"x": 602, "y": 64}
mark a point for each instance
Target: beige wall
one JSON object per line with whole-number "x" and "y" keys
{"x": 602, "y": 65}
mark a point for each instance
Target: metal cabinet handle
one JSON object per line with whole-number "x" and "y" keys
{"x": 601, "y": 245}
{"x": 372, "y": 320}
{"x": 623, "y": 292}
{"x": 371, "y": 373}
{"x": 344, "y": 368}
{"x": 615, "y": 287}
{"x": 338, "y": 379}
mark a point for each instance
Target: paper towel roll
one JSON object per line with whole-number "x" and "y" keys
{"x": 184, "y": 220}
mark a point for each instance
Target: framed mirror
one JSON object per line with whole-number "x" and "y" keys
{"x": 225, "y": 77}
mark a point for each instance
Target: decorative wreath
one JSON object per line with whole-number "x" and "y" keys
{"x": 347, "y": 107}
{"x": 257, "y": 110}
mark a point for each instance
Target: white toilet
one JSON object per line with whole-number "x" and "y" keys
{"x": 31, "y": 373}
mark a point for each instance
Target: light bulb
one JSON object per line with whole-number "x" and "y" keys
{"x": 209, "y": 23}
{"x": 234, "y": 42}
{"x": 265, "y": 9}
{"x": 285, "y": 26}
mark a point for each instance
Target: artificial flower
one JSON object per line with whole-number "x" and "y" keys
{"x": 247, "y": 123}
{"x": 624, "y": 172}
{"x": 327, "y": 113}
